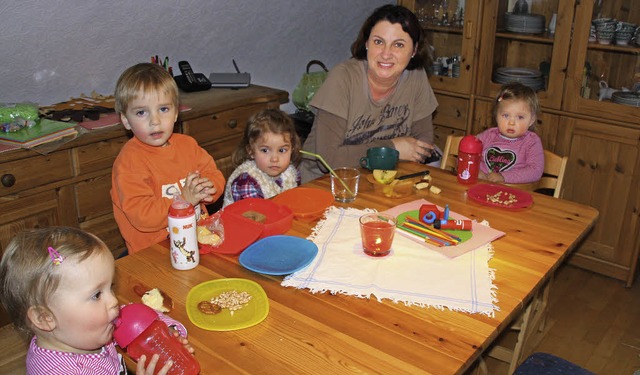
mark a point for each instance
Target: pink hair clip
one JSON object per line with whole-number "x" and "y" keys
{"x": 56, "y": 258}
{"x": 500, "y": 98}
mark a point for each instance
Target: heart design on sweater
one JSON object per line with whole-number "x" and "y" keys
{"x": 498, "y": 160}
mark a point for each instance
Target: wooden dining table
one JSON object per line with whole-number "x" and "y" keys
{"x": 324, "y": 333}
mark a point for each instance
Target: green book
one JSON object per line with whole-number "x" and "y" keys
{"x": 45, "y": 130}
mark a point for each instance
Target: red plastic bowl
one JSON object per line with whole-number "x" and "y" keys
{"x": 278, "y": 217}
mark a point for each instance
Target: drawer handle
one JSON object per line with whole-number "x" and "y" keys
{"x": 8, "y": 180}
{"x": 232, "y": 124}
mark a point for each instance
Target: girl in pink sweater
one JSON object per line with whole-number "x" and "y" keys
{"x": 511, "y": 152}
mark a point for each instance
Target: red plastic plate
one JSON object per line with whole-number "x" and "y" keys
{"x": 480, "y": 192}
{"x": 239, "y": 233}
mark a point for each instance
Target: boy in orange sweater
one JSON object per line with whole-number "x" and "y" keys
{"x": 155, "y": 164}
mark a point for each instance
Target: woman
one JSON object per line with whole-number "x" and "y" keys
{"x": 379, "y": 97}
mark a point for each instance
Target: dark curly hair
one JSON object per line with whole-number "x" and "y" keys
{"x": 270, "y": 120}
{"x": 410, "y": 25}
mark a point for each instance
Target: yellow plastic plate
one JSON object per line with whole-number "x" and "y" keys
{"x": 253, "y": 313}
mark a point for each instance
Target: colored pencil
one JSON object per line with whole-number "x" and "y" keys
{"x": 429, "y": 232}
{"x": 432, "y": 229}
{"x": 421, "y": 236}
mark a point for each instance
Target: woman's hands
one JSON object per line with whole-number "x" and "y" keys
{"x": 197, "y": 189}
{"x": 412, "y": 149}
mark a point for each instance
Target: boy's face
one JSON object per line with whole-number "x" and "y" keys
{"x": 150, "y": 116}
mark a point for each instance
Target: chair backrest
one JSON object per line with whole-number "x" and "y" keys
{"x": 450, "y": 153}
{"x": 552, "y": 177}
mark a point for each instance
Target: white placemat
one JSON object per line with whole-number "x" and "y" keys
{"x": 411, "y": 274}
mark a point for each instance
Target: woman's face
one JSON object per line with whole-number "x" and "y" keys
{"x": 389, "y": 50}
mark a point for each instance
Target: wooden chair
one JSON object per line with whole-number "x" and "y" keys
{"x": 552, "y": 176}
{"x": 532, "y": 319}
{"x": 450, "y": 153}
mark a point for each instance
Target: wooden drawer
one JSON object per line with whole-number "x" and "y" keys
{"x": 36, "y": 211}
{"x": 97, "y": 156}
{"x": 440, "y": 134}
{"x": 106, "y": 229}
{"x": 28, "y": 173}
{"x": 451, "y": 112}
{"x": 93, "y": 198}
{"x": 219, "y": 125}
{"x": 221, "y": 153}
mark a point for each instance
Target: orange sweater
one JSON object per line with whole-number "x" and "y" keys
{"x": 143, "y": 180}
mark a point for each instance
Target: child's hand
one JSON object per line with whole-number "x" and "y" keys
{"x": 495, "y": 177}
{"x": 197, "y": 189}
{"x": 183, "y": 341}
{"x": 140, "y": 370}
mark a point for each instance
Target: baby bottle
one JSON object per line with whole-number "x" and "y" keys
{"x": 469, "y": 153}
{"x": 183, "y": 235}
{"x": 139, "y": 331}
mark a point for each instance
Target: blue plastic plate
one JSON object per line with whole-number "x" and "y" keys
{"x": 278, "y": 255}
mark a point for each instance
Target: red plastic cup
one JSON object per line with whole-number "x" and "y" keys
{"x": 140, "y": 331}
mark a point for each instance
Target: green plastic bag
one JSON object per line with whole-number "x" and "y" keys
{"x": 308, "y": 85}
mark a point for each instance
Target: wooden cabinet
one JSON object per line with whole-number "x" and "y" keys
{"x": 592, "y": 64}
{"x": 601, "y": 137}
{"x": 452, "y": 29}
{"x": 70, "y": 186}
{"x": 509, "y": 43}
{"x": 603, "y": 173}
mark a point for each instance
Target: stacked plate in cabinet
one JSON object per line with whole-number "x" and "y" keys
{"x": 626, "y": 98}
{"x": 528, "y": 77}
{"x": 525, "y": 23}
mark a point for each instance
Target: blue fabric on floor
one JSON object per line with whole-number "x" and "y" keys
{"x": 547, "y": 364}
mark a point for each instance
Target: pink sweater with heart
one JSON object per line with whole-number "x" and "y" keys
{"x": 518, "y": 160}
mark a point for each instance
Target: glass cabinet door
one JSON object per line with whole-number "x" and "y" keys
{"x": 451, "y": 27}
{"x": 526, "y": 41}
{"x": 604, "y": 63}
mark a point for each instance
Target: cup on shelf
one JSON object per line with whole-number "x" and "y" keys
{"x": 626, "y": 27}
{"x": 623, "y": 37}
{"x": 601, "y": 21}
{"x": 605, "y": 36}
{"x": 345, "y": 191}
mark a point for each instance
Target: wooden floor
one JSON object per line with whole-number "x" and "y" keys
{"x": 593, "y": 321}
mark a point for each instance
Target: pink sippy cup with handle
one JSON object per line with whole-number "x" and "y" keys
{"x": 140, "y": 331}
{"x": 469, "y": 155}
